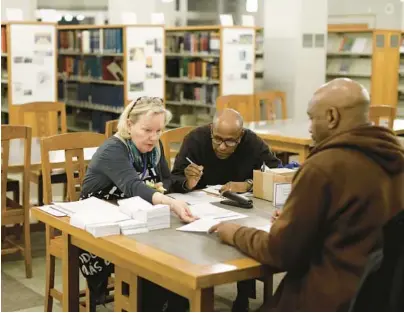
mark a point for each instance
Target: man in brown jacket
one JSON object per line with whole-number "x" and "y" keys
{"x": 349, "y": 186}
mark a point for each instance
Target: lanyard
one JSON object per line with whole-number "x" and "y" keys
{"x": 144, "y": 168}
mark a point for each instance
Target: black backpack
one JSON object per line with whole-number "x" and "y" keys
{"x": 382, "y": 286}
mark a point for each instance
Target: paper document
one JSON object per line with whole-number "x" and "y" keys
{"x": 195, "y": 197}
{"x": 208, "y": 210}
{"x": 266, "y": 228}
{"x": 52, "y": 210}
{"x": 199, "y": 226}
{"x": 92, "y": 203}
{"x": 216, "y": 191}
{"x": 281, "y": 193}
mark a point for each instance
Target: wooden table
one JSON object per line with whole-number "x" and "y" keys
{"x": 16, "y": 159}
{"x": 188, "y": 264}
{"x": 285, "y": 135}
{"x": 398, "y": 126}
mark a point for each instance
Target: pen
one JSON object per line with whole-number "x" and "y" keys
{"x": 189, "y": 160}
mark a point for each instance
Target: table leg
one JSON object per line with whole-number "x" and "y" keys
{"x": 202, "y": 300}
{"x": 127, "y": 294}
{"x": 70, "y": 265}
{"x": 268, "y": 293}
{"x": 303, "y": 154}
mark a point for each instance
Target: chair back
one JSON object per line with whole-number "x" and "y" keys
{"x": 244, "y": 104}
{"x": 8, "y": 133}
{"x": 111, "y": 128}
{"x": 271, "y": 100}
{"x": 74, "y": 163}
{"x": 43, "y": 117}
{"x": 173, "y": 136}
{"x": 382, "y": 115}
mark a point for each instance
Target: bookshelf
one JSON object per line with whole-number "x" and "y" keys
{"x": 400, "y": 101}
{"x": 259, "y": 59}
{"x": 102, "y": 68}
{"x": 28, "y": 72}
{"x": 369, "y": 56}
{"x": 197, "y": 72}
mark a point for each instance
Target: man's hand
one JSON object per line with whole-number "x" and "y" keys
{"x": 193, "y": 174}
{"x": 240, "y": 187}
{"x": 225, "y": 231}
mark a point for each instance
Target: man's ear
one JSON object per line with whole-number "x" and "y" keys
{"x": 333, "y": 117}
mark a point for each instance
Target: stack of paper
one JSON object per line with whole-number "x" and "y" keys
{"x": 70, "y": 208}
{"x": 103, "y": 229}
{"x": 199, "y": 226}
{"x": 155, "y": 216}
{"x": 195, "y": 197}
{"x": 132, "y": 227}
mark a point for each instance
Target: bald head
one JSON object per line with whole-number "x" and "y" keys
{"x": 339, "y": 105}
{"x": 229, "y": 119}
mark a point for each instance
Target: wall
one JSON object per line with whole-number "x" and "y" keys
{"x": 28, "y": 8}
{"x": 74, "y": 4}
{"x": 374, "y": 12}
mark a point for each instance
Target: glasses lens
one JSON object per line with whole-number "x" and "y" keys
{"x": 230, "y": 143}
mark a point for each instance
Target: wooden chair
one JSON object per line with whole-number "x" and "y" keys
{"x": 44, "y": 117}
{"x": 73, "y": 144}
{"x": 111, "y": 128}
{"x": 11, "y": 211}
{"x": 271, "y": 99}
{"x": 244, "y": 104}
{"x": 171, "y": 136}
{"x": 382, "y": 115}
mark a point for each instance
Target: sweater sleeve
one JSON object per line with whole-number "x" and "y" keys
{"x": 178, "y": 175}
{"x": 291, "y": 239}
{"x": 114, "y": 162}
{"x": 265, "y": 155}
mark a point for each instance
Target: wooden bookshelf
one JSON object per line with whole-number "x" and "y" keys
{"x": 400, "y": 100}
{"x": 259, "y": 59}
{"x": 194, "y": 72}
{"x": 97, "y": 68}
{"x": 369, "y": 56}
{"x": 28, "y": 53}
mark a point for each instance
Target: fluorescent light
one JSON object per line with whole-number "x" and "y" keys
{"x": 247, "y": 20}
{"x": 226, "y": 20}
{"x": 251, "y": 6}
{"x": 68, "y": 18}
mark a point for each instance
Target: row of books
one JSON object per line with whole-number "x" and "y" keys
{"x": 108, "y": 68}
{"x": 351, "y": 44}
{"x": 3, "y": 39}
{"x": 203, "y": 42}
{"x": 361, "y": 67}
{"x": 192, "y": 68}
{"x": 91, "y": 41}
{"x": 205, "y": 94}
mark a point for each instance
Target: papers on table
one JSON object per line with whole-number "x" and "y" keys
{"x": 208, "y": 210}
{"x": 132, "y": 227}
{"x": 91, "y": 203}
{"x": 202, "y": 225}
{"x": 281, "y": 193}
{"x": 194, "y": 197}
{"x": 266, "y": 228}
{"x": 154, "y": 216}
{"x": 216, "y": 191}
{"x": 52, "y": 210}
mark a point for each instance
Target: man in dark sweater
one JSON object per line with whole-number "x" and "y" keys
{"x": 223, "y": 153}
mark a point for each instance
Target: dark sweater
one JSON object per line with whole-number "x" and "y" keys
{"x": 111, "y": 166}
{"x": 197, "y": 146}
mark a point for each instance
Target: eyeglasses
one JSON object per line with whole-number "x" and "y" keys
{"x": 231, "y": 143}
{"x": 156, "y": 100}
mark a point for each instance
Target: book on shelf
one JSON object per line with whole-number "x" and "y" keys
{"x": 205, "y": 94}
{"x": 350, "y": 66}
{"x": 3, "y": 39}
{"x": 194, "y": 42}
{"x": 349, "y": 44}
{"x": 108, "y": 40}
{"x": 192, "y": 68}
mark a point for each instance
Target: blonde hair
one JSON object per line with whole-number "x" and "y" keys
{"x": 139, "y": 107}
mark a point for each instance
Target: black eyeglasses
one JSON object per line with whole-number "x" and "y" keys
{"x": 144, "y": 98}
{"x": 231, "y": 143}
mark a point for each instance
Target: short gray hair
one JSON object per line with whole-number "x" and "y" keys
{"x": 139, "y": 107}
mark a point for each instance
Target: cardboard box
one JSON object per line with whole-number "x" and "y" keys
{"x": 264, "y": 181}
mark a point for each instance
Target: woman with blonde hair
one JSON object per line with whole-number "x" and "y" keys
{"x": 131, "y": 163}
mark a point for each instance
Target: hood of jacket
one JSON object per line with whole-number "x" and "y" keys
{"x": 377, "y": 143}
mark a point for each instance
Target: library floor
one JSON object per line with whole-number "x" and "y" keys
{"x": 27, "y": 295}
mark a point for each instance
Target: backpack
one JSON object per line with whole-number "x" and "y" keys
{"x": 382, "y": 286}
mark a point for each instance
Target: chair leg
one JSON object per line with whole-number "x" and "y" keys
{"x": 40, "y": 191}
{"x": 50, "y": 281}
{"x": 27, "y": 248}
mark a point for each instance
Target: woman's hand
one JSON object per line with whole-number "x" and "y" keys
{"x": 182, "y": 210}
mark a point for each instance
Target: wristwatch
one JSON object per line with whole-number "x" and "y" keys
{"x": 250, "y": 184}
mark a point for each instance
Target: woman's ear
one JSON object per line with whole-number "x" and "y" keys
{"x": 333, "y": 117}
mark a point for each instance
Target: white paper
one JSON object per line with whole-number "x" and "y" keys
{"x": 266, "y": 228}
{"x": 91, "y": 204}
{"x": 52, "y": 211}
{"x": 208, "y": 210}
{"x": 238, "y": 67}
{"x": 202, "y": 226}
{"x": 215, "y": 190}
{"x": 281, "y": 193}
{"x": 195, "y": 197}
{"x": 33, "y": 63}
{"x": 145, "y": 61}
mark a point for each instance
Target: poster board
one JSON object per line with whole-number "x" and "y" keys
{"x": 145, "y": 61}
{"x": 32, "y": 63}
{"x": 238, "y": 60}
